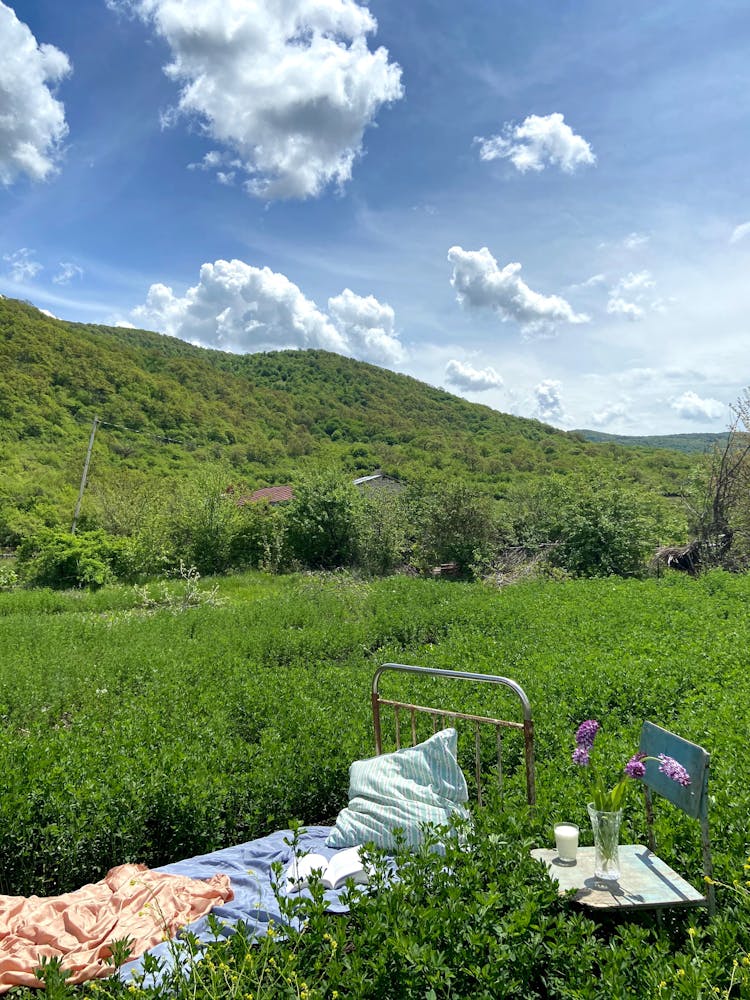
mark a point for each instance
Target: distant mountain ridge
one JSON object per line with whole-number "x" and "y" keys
{"x": 167, "y": 408}
{"x": 689, "y": 444}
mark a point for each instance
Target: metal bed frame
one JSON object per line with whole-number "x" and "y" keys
{"x": 440, "y": 715}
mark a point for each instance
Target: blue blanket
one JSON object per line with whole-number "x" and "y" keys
{"x": 249, "y": 868}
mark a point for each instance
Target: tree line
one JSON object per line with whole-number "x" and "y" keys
{"x": 576, "y": 525}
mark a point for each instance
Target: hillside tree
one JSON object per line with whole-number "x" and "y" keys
{"x": 719, "y": 502}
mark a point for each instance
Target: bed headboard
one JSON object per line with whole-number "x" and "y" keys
{"x": 441, "y": 717}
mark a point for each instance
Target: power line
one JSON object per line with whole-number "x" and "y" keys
{"x": 137, "y": 430}
{"x": 109, "y": 423}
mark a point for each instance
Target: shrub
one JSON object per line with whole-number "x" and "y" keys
{"x": 59, "y": 559}
{"x": 381, "y": 532}
{"x": 592, "y": 528}
{"x": 204, "y": 523}
{"x": 8, "y": 576}
{"x": 259, "y": 540}
{"x": 454, "y": 524}
{"x": 322, "y": 521}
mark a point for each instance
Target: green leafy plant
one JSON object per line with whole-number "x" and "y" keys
{"x": 260, "y": 538}
{"x": 382, "y": 532}
{"x": 453, "y": 524}
{"x": 51, "y": 973}
{"x": 60, "y": 559}
{"x": 120, "y": 950}
{"x": 8, "y": 576}
{"x": 158, "y": 737}
{"x": 321, "y": 521}
{"x": 188, "y": 594}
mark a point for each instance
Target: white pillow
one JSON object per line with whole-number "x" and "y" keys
{"x": 405, "y": 789}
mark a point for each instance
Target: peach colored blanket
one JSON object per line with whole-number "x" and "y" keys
{"x": 130, "y": 901}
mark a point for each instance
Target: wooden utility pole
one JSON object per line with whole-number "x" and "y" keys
{"x": 85, "y": 474}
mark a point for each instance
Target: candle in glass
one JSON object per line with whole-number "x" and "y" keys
{"x": 566, "y": 841}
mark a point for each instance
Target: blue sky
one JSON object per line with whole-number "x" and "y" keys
{"x": 541, "y": 206}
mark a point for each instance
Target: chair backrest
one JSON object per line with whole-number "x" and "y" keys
{"x": 692, "y": 798}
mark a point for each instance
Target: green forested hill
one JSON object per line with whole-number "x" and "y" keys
{"x": 168, "y": 407}
{"x": 688, "y": 443}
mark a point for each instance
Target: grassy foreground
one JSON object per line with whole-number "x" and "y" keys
{"x": 149, "y": 734}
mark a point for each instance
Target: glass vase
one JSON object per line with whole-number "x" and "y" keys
{"x": 606, "y": 827}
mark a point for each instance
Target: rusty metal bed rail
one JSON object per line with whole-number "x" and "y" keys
{"x": 440, "y": 715}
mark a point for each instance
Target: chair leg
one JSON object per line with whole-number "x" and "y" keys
{"x": 708, "y": 870}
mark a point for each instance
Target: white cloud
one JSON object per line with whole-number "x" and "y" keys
{"x": 609, "y": 413}
{"x": 549, "y": 405}
{"x": 634, "y": 240}
{"x": 124, "y": 325}
{"x": 32, "y": 121}
{"x": 288, "y": 87}
{"x": 67, "y": 272}
{"x": 22, "y": 266}
{"x": 472, "y": 379}
{"x": 690, "y": 406}
{"x": 212, "y": 159}
{"x": 592, "y": 282}
{"x": 480, "y": 283}
{"x": 537, "y": 142}
{"x": 740, "y": 232}
{"x": 635, "y": 281}
{"x": 618, "y": 306}
{"x": 368, "y": 326}
{"x": 634, "y": 285}
{"x": 240, "y": 308}
{"x": 46, "y": 312}
{"x": 595, "y": 281}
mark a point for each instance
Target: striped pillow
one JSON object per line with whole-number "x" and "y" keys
{"x": 421, "y": 784}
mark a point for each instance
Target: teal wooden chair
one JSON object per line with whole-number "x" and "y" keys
{"x": 692, "y": 798}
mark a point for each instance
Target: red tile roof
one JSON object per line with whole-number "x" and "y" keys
{"x": 273, "y": 494}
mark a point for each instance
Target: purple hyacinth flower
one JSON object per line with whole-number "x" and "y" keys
{"x": 581, "y": 756}
{"x": 674, "y": 770}
{"x": 635, "y": 768}
{"x": 586, "y": 732}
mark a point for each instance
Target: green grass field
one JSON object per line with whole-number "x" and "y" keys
{"x": 150, "y": 735}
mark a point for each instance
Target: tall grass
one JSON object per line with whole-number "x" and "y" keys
{"x": 130, "y": 733}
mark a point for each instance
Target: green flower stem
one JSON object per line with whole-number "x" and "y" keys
{"x": 608, "y": 800}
